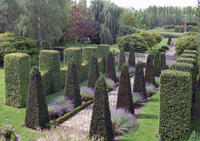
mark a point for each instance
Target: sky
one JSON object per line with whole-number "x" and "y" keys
{"x": 137, "y": 4}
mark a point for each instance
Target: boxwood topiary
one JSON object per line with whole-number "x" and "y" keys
{"x": 139, "y": 81}
{"x": 191, "y": 52}
{"x": 102, "y": 50}
{"x": 36, "y": 110}
{"x": 17, "y": 71}
{"x": 110, "y": 68}
{"x": 93, "y": 73}
{"x": 157, "y": 64}
{"x": 131, "y": 59}
{"x": 193, "y": 56}
{"x": 175, "y": 105}
{"x": 63, "y": 72}
{"x": 49, "y": 63}
{"x": 102, "y": 64}
{"x": 149, "y": 70}
{"x": 124, "y": 99}
{"x": 88, "y": 52}
{"x": 85, "y": 69}
{"x": 72, "y": 90}
{"x": 163, "y": 64}
{"x": 101, "y": 124}
{"x": 150, "y": 39}
{"x": 157, "y": 36}
{"x": 122, "y": 59}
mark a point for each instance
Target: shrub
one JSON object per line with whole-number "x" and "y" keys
{"x": 93, "y": 73}
{"x": 122, "y": 59}
{"x": 85, "y": 69}
{"x": 149, "y": 70}
{"x": 110, "y": 68}
{"x": 72, "y": 90}
{"x": 168, "y": 26}
{"x": 166, "y": 48}
{"x": 150, "y": 39}
{"x": 137, "y": 98}
{"x": 191, "y": 52}
{"x": 87, "y": 93}
{"x": 126, "y": 30}
{"x": 186, "y": 42}
{"x": 36, "y": 110}
{"x": 157, "y": 64}
{"x": 122, "y": 121}
{"x": 102, "y": 50}
{"x": 175, "y": 105}
{"x": 109, "y": 83}
{"x": 88, "y": 52}
{"x": 62, "y": 77}
{"x": 133, "y": 41}
{"x": 169, "y": 41}
{"x": 131, "y": 59}
{"x": 139, "y": 82}
{"x": 17, "y": 71}
{"x": 163, "y": 64}
{"x": 101, "y": 125}
{"x": 49, "y": 64}
{"x": 193, "y": 56}
{"x": 102, "y": 64}
{"x": 124, "y": 98}
{"x": 76, "y": 54}
{"x": 157, "y": 36}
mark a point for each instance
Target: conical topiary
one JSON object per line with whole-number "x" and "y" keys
{"x": 139, "y": 82}
{"x": 131, "y": 60}
{"x": 72, "y": 90}
{"x": 149, "y": 71}
{"x": 157, "y": 66}
{"x": 169, "y": 41}
{"x": 122, "y": 59}
{"x": 93, "y": 73}
{"x": 124, "y": 99}
{"x": 36, "y": 110}
{"x": 101, "y": 124}
{"x": 163, "y": 64}
{"x": 110, "y": 67}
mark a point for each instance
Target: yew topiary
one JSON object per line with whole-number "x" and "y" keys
{"x": 163, "y": 64}
{"x": 36, "y": 110}
{"x": 122, "y": 59}
{"x": 157, "y": 64}
{"x": 124, "y": 99}
{"x": 72, "y": 90}
{"x": 131, "y": 60}
{"x": 149, "y": 71}
{"x": 110, "y": 67}
{"x": 101, "y": 124}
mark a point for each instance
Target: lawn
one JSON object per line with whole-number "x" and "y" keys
{"x": 165, "y": 31}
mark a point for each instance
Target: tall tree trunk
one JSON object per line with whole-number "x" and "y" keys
{"x": 39, "y": 27}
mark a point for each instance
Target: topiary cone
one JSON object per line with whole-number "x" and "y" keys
{"x": 149, "y": 71}
{"x": 93, "y": 73}
{"x": 124, "y": 99}
{"x": 157, "y": 66}
{"x": 163, "y": 61}
{"x": 101, "y": 125}
{"x": 110, "y": 67}
{"x": 122, "y": 59}
{"x": 139, "y": 82}
{"x": 72, "y": 90}
{"x": 36, "y": 110}
{"x": 131, "y": 60}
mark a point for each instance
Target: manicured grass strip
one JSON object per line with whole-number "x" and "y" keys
{"x": 146, "y": 128}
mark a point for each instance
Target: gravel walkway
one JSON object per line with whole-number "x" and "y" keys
{"x": 171, "y": 52}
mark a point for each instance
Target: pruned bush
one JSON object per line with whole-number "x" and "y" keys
{"x": 163, "y": 64}
{"x": 87, "y": 93}
{"x": 157, "y": 36}
{"x": 72, "y": 90}
{"x": 139, "y": 81}
{"x": 149, "y": 38}
{"x": 175, "y": 105}
{"x": 169, "y": 41}
{"x": 166, "y": 48}
{"x": 149, "y": 70}
{"x": 63, "y": 72}
{"x": 133, "y": 41}
{"x": 126, "y": 30}
{"x": 49, "y": 64}
{"x": 124, "y": 98}
{"x": 122, "y": 59}
{"x": 76, "y": 54}
{"x": 102, "y": 50}
{"x": 17, "y": 71}
{"x": 85, "y": 65}
{"x": 101, "y": 124}
{"x": 93, "y": 73}
{"x": 122, "y": 121}
{"x": 193, "y": 56}
{"x": 191, "y": 52}
{"x": 157, "y": 64}
{"x": 110, "y": 67}
{"x": 36, "y": 109}
{"x": 102, "y": 64}
{"x": 88, "y": 52}
{"x": 131, "y": 59}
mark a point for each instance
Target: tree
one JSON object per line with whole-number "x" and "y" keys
{"x": 128, "y": 18}
{"x": 149, "y": 71}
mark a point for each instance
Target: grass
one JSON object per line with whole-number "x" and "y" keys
{"x": 165, "y": 31}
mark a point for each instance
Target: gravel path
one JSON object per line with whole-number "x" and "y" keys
{"x": 171, "y": 52}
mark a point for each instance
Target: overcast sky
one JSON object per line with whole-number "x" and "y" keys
{"x": 145, "y": 3}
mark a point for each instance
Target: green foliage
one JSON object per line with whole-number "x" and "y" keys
{"x": 157, "y": 64}
{"x": 110, "y": 71}
{"x": 126, "y": 30}
{"x": 49, "y": 64}
{"x": 128, "y": 19}
{"x": 157, "y": 36}
{"x": 150, "y": 39}
{"x": 85, "y": 69}
{"x": 124, "y": 99}
{"x": 102, "y": 64}
{"x": 17, "y": 70}
{"x": 76, "y": 54}
{"x": 163, "y": 64}
{"x": 122, "y": 59}
{"x": 72, "y": 90}
{"x": 101, "y": 125}
{"x": 93, "y": 73}
{"x": 193, "y": 56}
{"x": 139, "y": 81}
{"x": 36, "y": 110}
{"x": 169, "y": 41}
{"x": 133, "y": 41}
{"x": 186, "y": 42}
{"x": 149, "y": 70}
{"x": 131, "y": 59}
{"x": 191, "y": 52}
{"x": 11, "y": 43}
{"x": 88, "y": 52}
{"x": 175, "y": 105}
{"x": 102, "y": 50}
{"x": 63, "y": 72}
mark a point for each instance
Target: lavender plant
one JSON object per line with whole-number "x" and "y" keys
{"x": 118, "y": 74}
{"x": 87, "y": 93}
{"x": 137, "y": 98}
{"x": 150, "y": 88}
{"x": 157, "y": 80}
{"x": 109, "y": 83}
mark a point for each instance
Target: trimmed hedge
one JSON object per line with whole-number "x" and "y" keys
{"x": 157, "y": 64}
{"x": 193, "y": 56}
{"x": 63, "y": 72}
{"x": 191, "y": 52}
{"x": 163, "y": 64}
{"x": 17, "y": 71}
{"x": 110, "y": 68}
{"x": 102, "y": 50}
{"x": 102, "y": 64}
{"x": 149, "y": 71}
{"x": 175, "y": 105}
{"x": 85, "y": 69}
{"x": 122, "y": 59}
{"x": 76, "y": 54}
{"x": 124, "y": 98}
{"x": 49, "y": 64}
{"x": 36, "y": 110}
{"x": 88, "y": 52}
{"x": 131, "y": 59}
